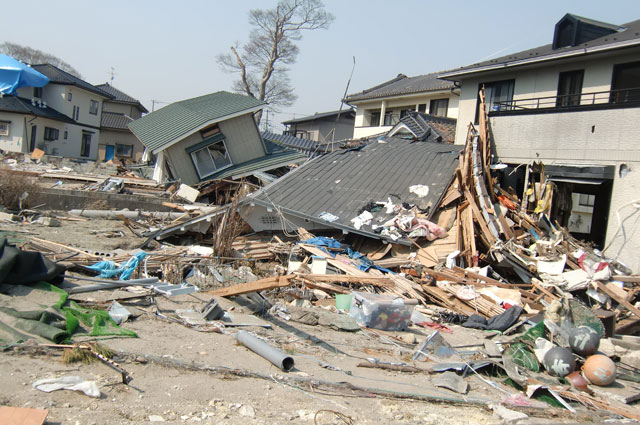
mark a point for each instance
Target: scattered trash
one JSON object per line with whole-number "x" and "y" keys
{"x": 73, "y": 383}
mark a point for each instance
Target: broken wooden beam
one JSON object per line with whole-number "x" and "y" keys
{"x": 365, "y": 280}
{"x": 255, "y": 286}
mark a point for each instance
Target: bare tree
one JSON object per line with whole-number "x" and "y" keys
{"x": 33, "y": 56}
{"x": 261, "y": 62}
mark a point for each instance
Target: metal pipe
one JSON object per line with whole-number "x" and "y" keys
{"x": 263, "y": 349}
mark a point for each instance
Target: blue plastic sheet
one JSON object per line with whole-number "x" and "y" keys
{"x": 15, "y": 74}
{"x": 323, "y": 242}
{"x": 108, "y": 269}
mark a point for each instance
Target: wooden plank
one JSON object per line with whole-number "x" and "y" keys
{"x": 479, "y": 217}
{"x": 22, "y": 415}
{"x": 468, "y": 273}
{"x": 175, "y": 206}
{"x": 626, "y": 279}
{"x": 326, "y": 286}
{"x": 258, "y": 285}
{"x": 613, "y": 293}
{"x": 365, "y": 280}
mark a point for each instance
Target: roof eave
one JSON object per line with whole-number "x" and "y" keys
{"x": 403, "y": 95}
{"x": 206, "y": 124}
{"x": 451, "y": 76}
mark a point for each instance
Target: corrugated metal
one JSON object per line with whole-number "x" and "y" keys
{"x": 342, "y": 183}
{"x": 177, "y": 119}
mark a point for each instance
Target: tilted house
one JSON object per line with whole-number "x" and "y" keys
{"x": 209, "y": 137}
{"x": 116, "y": 140}
{"x": 381, "y": 107}
{"x": 574, "y": 105}
{"x": 61, "y": 118}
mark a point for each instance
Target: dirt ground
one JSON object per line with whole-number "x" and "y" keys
{"x": 165, "y": 388}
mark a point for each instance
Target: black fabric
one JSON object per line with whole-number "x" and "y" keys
{"x": 23, "y": 267}
{"x": 501, "y": 322}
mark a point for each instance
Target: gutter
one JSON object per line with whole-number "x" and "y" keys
{"x": 520, "y": 62}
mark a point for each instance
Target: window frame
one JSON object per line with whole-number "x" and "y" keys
{"x": 51, "y": 134}
{"x": 93, "y": 107}
{"x": 85, "y": 144}
{"x": 572, "y": 81}
{"x": 5, "y": 128}
{"x": 376, "y": 113}
{"x": 69, "y": 96}
{"x": 207, "y": 144}
{"x": 37, "y": 92}
{"x": 487, "y": 84}
{"x": 437, "y": 104}
{"x": 130, "y": 149}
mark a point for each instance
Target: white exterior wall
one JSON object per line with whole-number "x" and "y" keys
{"x": 539, "y": 82}
{"x": 13, "y": 142}
{"x": 361, "y": 127}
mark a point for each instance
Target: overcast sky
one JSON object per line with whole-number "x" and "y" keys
{"x": 165, "y": 50}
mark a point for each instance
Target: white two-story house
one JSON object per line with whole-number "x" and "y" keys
{"x": 62, "y": 118}
{"x": 380, "y": 108}
{"x": 573, "y": 105}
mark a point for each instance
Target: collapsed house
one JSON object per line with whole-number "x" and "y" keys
{"x": 573, "y": 106}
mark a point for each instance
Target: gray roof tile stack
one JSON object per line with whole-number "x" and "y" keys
{"x": 402, "y": 85}
{"x": 113, "y": 120}
{"x": 120, "y": 96}
{"x": 427, "y": 127}
{"x": 21, "y": 105}
{"x": 628, "y": 32}
{"x": 343, "y": 182}
{"x": 58, "y": 76}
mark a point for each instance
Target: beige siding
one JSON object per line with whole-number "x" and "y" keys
{"x": 108, "y": 137}
{"x": 242, "y": 139}
{"x": 180, "y": 161}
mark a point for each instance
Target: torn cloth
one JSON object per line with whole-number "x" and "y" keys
{"x": 23, "y": 267}
{"x": 501, "y": 322}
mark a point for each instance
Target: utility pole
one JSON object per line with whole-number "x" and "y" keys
{"x": 113, "y": 74}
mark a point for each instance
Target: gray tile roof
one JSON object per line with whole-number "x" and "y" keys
{"x": 120, "y": 96}
{"x": 309, "y": 147}
{"x": 349, "y": 112}
{"x": 629, "y": 33}
{"x": 427, "y": 127}
{"x": 21, "y": 105}
{"x": 402, "y": 85}
{"x": 343, "y": 182}
{"x": 114, "y": 120}
{"x": 58, "y": 76}
{"x": 157, "y": 129}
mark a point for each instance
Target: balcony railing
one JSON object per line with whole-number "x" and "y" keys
{"x": 622, "y": 96}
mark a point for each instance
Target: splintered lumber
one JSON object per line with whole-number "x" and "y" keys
{"x": 255, "y": 286}
{"x": 608, "y": 289}
{"x": 325, "y": 286}
{"x": 365, "y": 280}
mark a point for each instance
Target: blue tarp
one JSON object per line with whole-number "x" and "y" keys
{"x": 324, "y": 243}
{"x": 108, "y": 269}
{"x": 15, "y": 74}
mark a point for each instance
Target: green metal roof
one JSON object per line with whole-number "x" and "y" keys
{"x": 158, "y": 129}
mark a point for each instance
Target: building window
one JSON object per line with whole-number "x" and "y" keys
{"x": 37, "y": 92}
{"x": 124, "y": 150}
{"x": 4, "y": 128}
{"x": 586, "y": 200}
{"x": 76, "y": 113}
{"x": 374, "y": 118}
{"x": 69, "y": 96}
{"x": 85, "y": 148}
{"x": 625, "y": 84}
{"x": 211, "y": 158}
{"x": 498, "y": 96}
{"x": 405, "y": 112}
{"x": 569, "y": 88}
{"x": 422, "y": 107}
{"x": 439, "y": 107}
{"x": 388, "y": 118}
{"x": 66, "y": 135}
{"x": 51, "y": 133}
{"x": 93, "y": 108}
